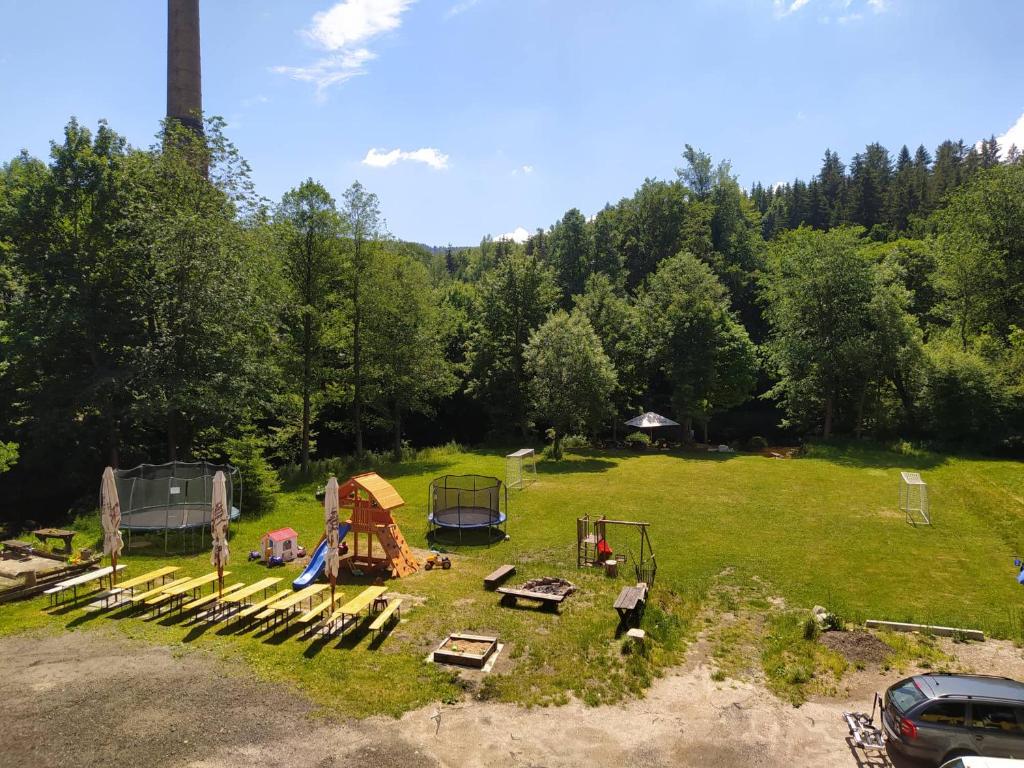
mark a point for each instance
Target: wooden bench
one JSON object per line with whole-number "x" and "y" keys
{"x": 55, "y": 592}
{"x": 493, "y": 580}
{"x": 393, "y": 611}
{"x": 352, "y": 608}
{"x": 509, "y": 595}
{"x": 630, "y": 602}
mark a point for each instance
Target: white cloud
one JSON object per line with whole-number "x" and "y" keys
{"x": 254, "y": 100}
{"x": 526, "y": 170}
{"x": 847, "y": 9}
{"x": 353, "y": 21}
{"x": 517, "y": 235}
{"x": 786, "y": 7}
{"x": 385, "y": 158}
{"x": 1013, "y": 136}
{"x": 342, "y": 30}
{"x": 778, "y": 185}
{"x": 460, "y": 7}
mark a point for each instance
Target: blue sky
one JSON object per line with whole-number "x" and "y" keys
{"x": 470, "y": 117}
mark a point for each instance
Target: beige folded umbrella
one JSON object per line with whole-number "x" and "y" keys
{"x": 219, "y": 527}
{"x": 110, "y": 516}
{"x": 332, "y": 560}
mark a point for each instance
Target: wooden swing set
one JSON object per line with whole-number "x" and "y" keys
{"x": 592, "y": 546}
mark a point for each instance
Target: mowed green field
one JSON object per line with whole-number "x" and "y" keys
{"x": 821, "y": 529}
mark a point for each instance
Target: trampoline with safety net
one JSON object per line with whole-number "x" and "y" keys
{"x": 172, "y": 497}
{"x": 458, "y": 503}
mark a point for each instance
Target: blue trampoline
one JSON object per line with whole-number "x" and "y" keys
{"x": 467, "y": 502}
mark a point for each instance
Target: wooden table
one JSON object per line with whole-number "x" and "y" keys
{"x": 43, "y": 534}
{"x": 352, "y": 608}
{"x": 58, "y": 590}
{"x": 630, "y": 602}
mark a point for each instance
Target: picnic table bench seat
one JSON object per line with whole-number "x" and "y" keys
{"x": 393, "y": 611}
{"x": 511, "y": 594}
{"x": 492, "y": 580}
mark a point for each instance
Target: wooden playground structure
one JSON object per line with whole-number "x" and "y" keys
{"x": 371, "y": 499}
{"x": 592, "y": 546}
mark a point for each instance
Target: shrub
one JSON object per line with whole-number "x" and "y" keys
{"x": 963, "y": 398}
{"x": 637, "y": 440}
{"x": 757, "y": 443}
{"x": 259, "y": 481}
{"x": 575, "y": 442}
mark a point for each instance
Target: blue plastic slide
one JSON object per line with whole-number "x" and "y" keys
{"x": 315, "y": 569}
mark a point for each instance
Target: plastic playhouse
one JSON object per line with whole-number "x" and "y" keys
{"x": 282, "y": 543}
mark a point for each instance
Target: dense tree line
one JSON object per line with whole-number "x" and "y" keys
{"x": 153, "y": 306}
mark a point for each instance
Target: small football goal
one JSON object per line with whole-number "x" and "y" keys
{"x": 520, "y": 468}
{"x": 914, "y": 498}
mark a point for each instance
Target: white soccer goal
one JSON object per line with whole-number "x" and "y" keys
{"x": 520, "y": 468}
{"x": 914, "y": 498}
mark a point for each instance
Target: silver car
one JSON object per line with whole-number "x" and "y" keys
{"x": 939, "y": 717}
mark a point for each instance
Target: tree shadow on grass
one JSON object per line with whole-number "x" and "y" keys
{"x": 864, "y": 455}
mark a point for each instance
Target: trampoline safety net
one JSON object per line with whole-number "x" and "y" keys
{"x": 170, "y": 496}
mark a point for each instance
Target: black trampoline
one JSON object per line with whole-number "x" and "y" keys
{"x": 467, "y": 502}
{"x": 172, "y": 497}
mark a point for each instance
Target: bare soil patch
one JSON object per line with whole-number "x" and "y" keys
{"x": 856, "y": 646}
{"x": 89, "y": 698}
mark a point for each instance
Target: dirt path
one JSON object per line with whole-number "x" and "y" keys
{"x": 92, "y": 699}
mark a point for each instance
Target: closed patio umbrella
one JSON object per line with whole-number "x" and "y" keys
{"x": 332, "y": 560}
{"x": 219, "y": 527}
{"x": 110, "y": 516}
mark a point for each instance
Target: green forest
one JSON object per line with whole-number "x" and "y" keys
{"x": 154, "y": 306}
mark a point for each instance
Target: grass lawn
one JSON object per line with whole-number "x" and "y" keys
{"x": 822, "y": 529}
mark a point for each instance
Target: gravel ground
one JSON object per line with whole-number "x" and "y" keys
{"x": 89, "y": 698}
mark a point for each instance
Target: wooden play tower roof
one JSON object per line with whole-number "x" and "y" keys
{"x": 381, "y": 492}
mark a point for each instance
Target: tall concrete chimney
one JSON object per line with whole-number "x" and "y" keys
{"x": 184, "y": 66}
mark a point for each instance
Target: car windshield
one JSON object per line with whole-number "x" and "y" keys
{"x": 905, "y": 695}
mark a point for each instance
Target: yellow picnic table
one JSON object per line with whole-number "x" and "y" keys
{"x": 142, "y": 596}
{"x": 57, "y": 591}
{"x": 145, "y": 580}
{"x": 191, "y": 605}
{"x": 353, "y": 607}
{"x": 285, "y": 607}
{"x": 149, "y": 578}
{"x": 260, "y": 586}
{"x": 324, "y": 605}
{"x": 249, "y": 610}
{"x": 175, "y": 594}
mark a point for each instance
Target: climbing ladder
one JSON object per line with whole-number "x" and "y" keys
{"x": 400, "y": 559}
